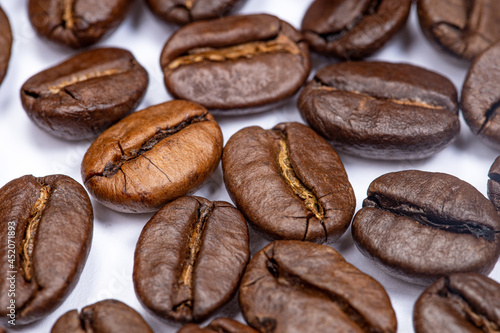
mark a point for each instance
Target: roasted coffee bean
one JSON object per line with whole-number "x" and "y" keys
{"x": 382, "y": 110}
{"x": 190, "y": 257}
{"x": 184, "y": 11}
{"x": 153, "y": 156}
{"x": 110, "y": 316}
{"x": 219, "y": 325}
{"x": 349, "y": 29}
{"x": 466, "y": 303}
{"x": 459, "y": 27}
{"x": 494, "y": 183}
{"x": 481, "y": 96}
{"x": 421, "y": 226}
{"x": 76, "y": 23}
{"x": 46, "y": 224}
{"x": 5, "y": 44}
{"x": 288, "y": 182}
{"x": 81, "y": 97}
{"x": 293, "y": 286}
{"x": 235, "y": 62}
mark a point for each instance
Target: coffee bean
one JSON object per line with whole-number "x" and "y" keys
{"x": 459, "y": 303}
{"x": 184, "y": 11}
{"x": 84, "y": 95}
{"x": 481, "y": 97}
{"x": 461, "y": 28}
{"x": 46, "y": 227}
{"x": 353, "y": 29}
{"x": 286, "y": 189}
{"x": 153, "y": 156}
{"x": 76, "y": 23}
{"x": 190, "y": 257}
{"x": 420, "y": 226}
{"x": 110, "y": 316}
{"x": 235, "y": 62}
{"x": 382, "y": 110}
{"x": 219, "y": 325}
{"x": 293, "y": 286}
{"x": 494, "y": 183}
{"x": 5, "y": 44}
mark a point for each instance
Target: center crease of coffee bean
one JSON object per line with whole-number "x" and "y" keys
{"x": 112, "y": 168}
{"x": 281, "y": 44}
{"x": 67, "y": 15}
{"x": 490, "y": 113}
{"x": 418, "y": 215}
{"x": 185, "y": 294}
{"x": 287, "y": 279}
{"x": 27, "y": 244}
{"x": 479, "y": 320}
{"x": 84, "y": 77}
{"x": 409, "y": 102}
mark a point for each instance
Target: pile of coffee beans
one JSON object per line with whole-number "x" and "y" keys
{"x": 248, "y": 166}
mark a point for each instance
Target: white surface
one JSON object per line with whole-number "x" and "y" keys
{"x": 25, "y": 149}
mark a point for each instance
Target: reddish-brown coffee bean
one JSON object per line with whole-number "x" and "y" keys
{"x": 109, "y": 316}
{"x": 84, "y": 95}
{"x": 481, "y": 96}
{"x": 190, "y": 257}
{"x": 219, "y": 325}
{"x": 293, "y": 286}
{"x": 461, "y": 28}
{"x": 46, "y": 224}
{"x": 460, "y": 303}
{"x": 494, "y": 183}
{"x": 420, "y": 226}
{"x": 76, "y": 23}
{"x": 5, "y": 44}
{"x": 153, "y": 156}
{"x": 382, "y": 110}
{"x": 288, "y": 182}
{"x": 185, "y": 11}
{"x": 350, "y": 29}
{"x": 236, "y": 62}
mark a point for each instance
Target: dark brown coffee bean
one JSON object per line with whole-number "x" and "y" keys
{"x": 81, "y": 97}
{"x": 349, "y": 29}
{"x": 421, "y": 226}
{"x": 286, "y": 189}
{"x": 461, "y": 303}
{"x": 219, "y": 325}
{"x": 46, "y": 225}
{"x": 461, "y": 28}
{"x": 153, "y": 156}
{"x": 5, "y": 44}
{"x": 382, "y": 110}
{"x": 184, "y": 11}
{"x": 235, "y": 62}
{"x": 481, "y": 96}
{"x": 494, "y": 183}
{"x": 110, "y": 316}
{"x": 190, "y": 257}
{"x": 293, "y": 286}
{"x": 76, "y": 23}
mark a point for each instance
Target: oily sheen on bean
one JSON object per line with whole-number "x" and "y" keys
{"x": 190, "y": 258}
{"x": 349, "y": 29}
{"x": 47, "y": 225}
{"x": 382, "y": 110}
{"x": 294, "y": 286}
{"x": 235, "y": 63}
{"x": 420, "y": 226}
{"x": 84, "y": 95}
{"x": 110, "y": 316}
{"x": 286, "y": 189}
{"x": 153, "y": 156}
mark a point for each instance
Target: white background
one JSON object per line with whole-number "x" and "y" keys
{"x": 25, "y": 149}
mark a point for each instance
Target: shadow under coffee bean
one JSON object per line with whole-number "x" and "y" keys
{"x": 50, "y": 220}
{"x": 420, "y": 226}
